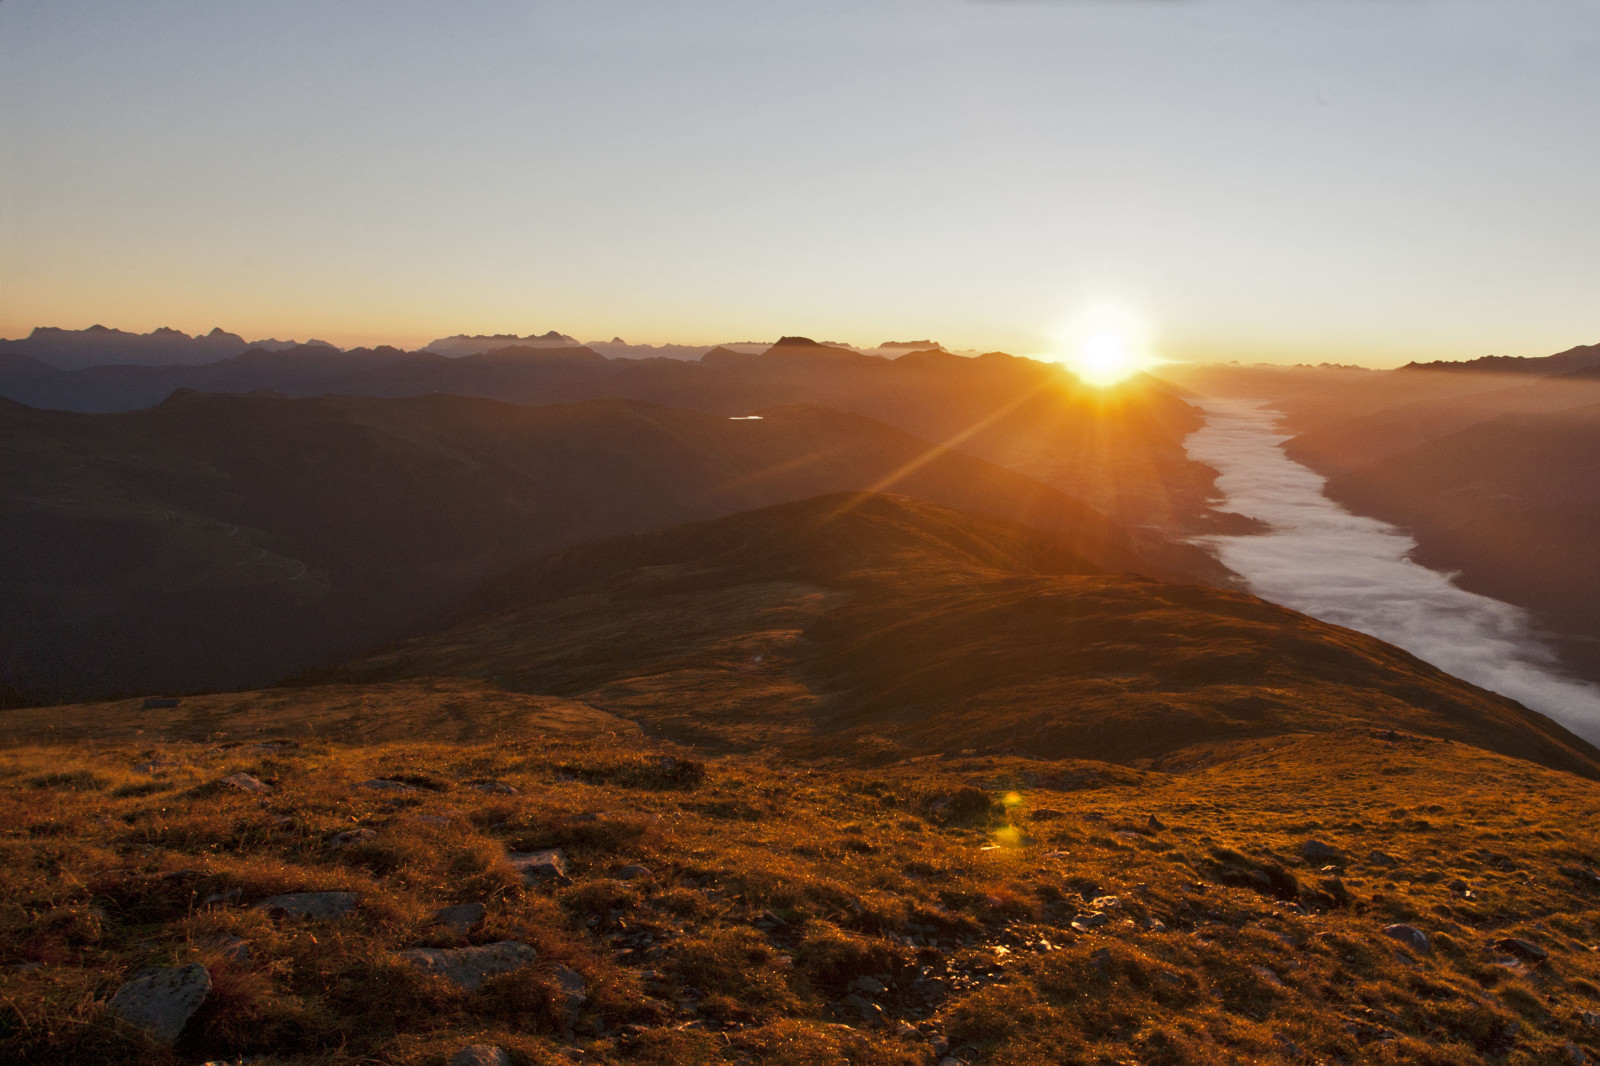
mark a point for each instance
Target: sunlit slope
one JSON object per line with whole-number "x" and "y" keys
{"x": 220, "y": 540}
{"x": 880, "y": 626}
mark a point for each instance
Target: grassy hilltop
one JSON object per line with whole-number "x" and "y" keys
{"x": 883, "y": 841}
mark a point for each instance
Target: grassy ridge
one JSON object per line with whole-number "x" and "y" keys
{"x": 772, "y": 890}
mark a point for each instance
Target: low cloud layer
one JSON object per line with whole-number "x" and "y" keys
{"x": 1353, "y": 571}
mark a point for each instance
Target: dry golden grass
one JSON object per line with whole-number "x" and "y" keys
{"x": 773, "y": 888}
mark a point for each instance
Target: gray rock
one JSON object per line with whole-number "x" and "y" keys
{"x": 1318, "y": 852}
{"x": 1590, "y": 1019}
{"x": 870, "y": 986}
{"x": 497, "y": 788}
{"x": 245, "y": 783}
{"x": 162, "y": 999}
{"x": 351, "y": 836}
{"x": 1522, "y": 949}
{"x": 481, "y": 1055}
{"x": 323, "y": 905}
{"x": 462, "y": 917}
{"x": 929, "y": 988}
{"x": 1093, "y": 920}
{"x": 860, "y": 1006}
{"x": 635, "y": 873}
{"x": 230, "y": 947}
{"x": 1411, "y": 937}
{"x": 573, "y": 986}
{"x": 536, "y": 866}
{"x": 383, "y": 784}
{"x": 469, "y": 968}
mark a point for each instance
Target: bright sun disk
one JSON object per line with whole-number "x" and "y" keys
{"x": 1105, "y": 346}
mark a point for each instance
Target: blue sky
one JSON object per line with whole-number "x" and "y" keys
{"x": 1353, "y": 180}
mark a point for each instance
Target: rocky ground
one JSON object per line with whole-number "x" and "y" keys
{"x": 583, "y": 897}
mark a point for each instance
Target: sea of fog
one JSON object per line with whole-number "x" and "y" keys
{"x": 1340, "y": 567}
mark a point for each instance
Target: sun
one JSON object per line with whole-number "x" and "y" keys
{"x": 1104, "y": 346}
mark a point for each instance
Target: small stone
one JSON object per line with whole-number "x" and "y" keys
{"x": 859, "y": 1005}
{"x": 1590, "y": 1019}
{"x": 1093, "y": 920}
{"x": 1575, "y": 1053}
{"x": 498, "y": 788}
{"x": 245, "y": 783}
{"x": 230, "y": 947}
{"x": 481, "y": 1055}
{"x": 1267, "y": 974}
{"x": 462, "y": 917}
{"x": 469, "y": 968}
{"x": 383, "y": 784}
{"x": 1106, "y": 903}
{"x": 232, "y": 895}
{"x": 939, "y": 1045}
{"x": 351, "y": 836}
{"x": 635, "y": 872}
{"x": 1335, "y": 888}
{"x": 1411, "y": 937}
{"x": 1154, "y": 824}
{"x": 1522, "y": 949}
{"x": 906, "y": 1031}
{"x": 572, "y": 985}
{"x": 869, "y": 985}
{"x": 930, "y": 988}
{"x": 161, "y": 1000}
{"x": 323, "y": 905}
{"x": 536, "y": 866}
{"x": 1317, "y": 852}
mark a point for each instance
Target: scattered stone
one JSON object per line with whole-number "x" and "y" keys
{"x": 1460, "y": 888}
{"x": 939, "y": 1044}
{"x": 1411, "y": 937}
{"x": 929, "y": 988}
{"x": 1154, "y": 824}
{"x": 536, "y": 866}
{"x": 321, "y": 905}
{"x": 161, "y": 1000}
{"x": 635, "y": 872}
{"x": 861, "y": 1006}
{"x": 462, "y": 917}
{"x": 573, "y": 986}
{"x": 469, "y": 968}
{"x": 1576, "y": 1054}
{"x": 229, "y": 947}
{"x": 351, "y": 836}
{"x": 869, "y": 985}
{"x": 245, "y": 783}
{"x": 1335, "y": 888}
{"x": 1106, "y": 903}
{"x": 1522, "y": 949}
{"x": 1317, "y": 852}
{"x": 498, "y": 788}
{"x": 1590, "y": 1019}
{"x": 1382, "y": 858}
{"x": 383, "y": 784}
{"x": 1093, "y": 920}
{"x": 1269, "y": 975}
{"x": 1581, "y": 874}
{"x": 481, "y": 1055}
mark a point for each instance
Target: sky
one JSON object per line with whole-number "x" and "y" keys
{"x": 1366, "y": 181}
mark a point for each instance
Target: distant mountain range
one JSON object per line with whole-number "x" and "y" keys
{"x": 1582, "y": 357}
{"x": 1029, "y": 416}
{"x": 76, "y": 349}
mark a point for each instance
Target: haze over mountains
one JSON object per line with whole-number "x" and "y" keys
{"x": 227, "y": 540}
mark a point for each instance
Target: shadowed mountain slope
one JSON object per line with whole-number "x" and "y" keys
{"x": 1512, "y": 505}
{"x": 882, "y": 626}
{"x": 220, "y": 540}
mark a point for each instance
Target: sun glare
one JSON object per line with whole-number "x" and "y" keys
{"x": 1105, "y": 346}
